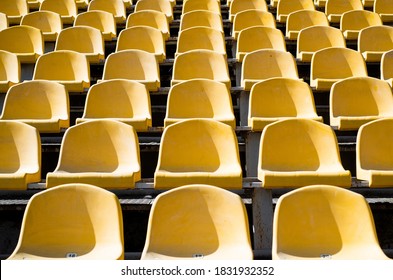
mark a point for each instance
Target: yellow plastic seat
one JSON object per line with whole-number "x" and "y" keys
{"x": 115, "y": 7}
{"x": 42, "y": 104}
{"x": 315, "y": 38}
{"x": 374, "y": 41}
{"x": 385, "y": 10}
{"x": 82, "y": 39}
{"x": 354, "y": 21}
{"x": 69, "y": 68}
{"x": 280, "y": 98}
{"x": 136, "y": 65}
{"x": 243, "y": 5}
{"x": 24, "y": 41}
{"x": 14, "y": 9}
{"x": 10, "y": 70}
{"x": 358, "y": 100}
{"x": 335, "y": 8}
{"x": 199, "y": 98}
{"x": 122, "y": 100}
{"x": 74, "y": 222}
{"x": 3, "y": 21}
{"x": 150, "y": 18}
{"x": 299, "y": 20}
{"x": 259, "y": 38}
{"x": 324, "y": 222}
{"x": 48, "y": 22}
{"x": 66, "y": 8}
{"x": 143, "y": 38}
{"x": 330, "y": 65}
{"x": 201, "y": 18}
{"x": 265, "y": 64}
{"x": 374, "y": 153}
{"x": 100, "y": 152}
{"x": 250, "y": 18}
{"x": 285, "y": 7}
{"x": 213, "y": 226}
{"x": 20, "y": 155}
{"x": 387, "y": 67}
{"x": 104, "y": 21}
{"x": 198, "y": 151}
{"x": 299, "y": 152}
{"x": 201, "y": 38}
{"x": 162, "y": 6}
{"x": 201, "y": 64}
{"x": 198, "y": 5}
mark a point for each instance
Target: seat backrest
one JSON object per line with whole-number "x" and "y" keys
{"x": 14, "y": 7}
{"x": 200, "y": 98}
{"x": 10, "y": 69}
{"x": 387, "y": 65}
{"x": 359, "y": 19}
{"x": 115, "y": 7}
{"x": 102, "y": 20}
{"x": 36, "y": 100}
{"x": 180, "y": 229}
{"x": 383, "y": 7}
{"x": 285, "y": 7}
{"x": 72, "y": 209}
{"x": 198, "y": 145}
{"x": 116, "y": 141}
{"x": 301, "y": 19}
{"x": 376, "y": 38}
{"x": 249, "y": 18}
{"x": 201, "y": 38}
{"x": 201, "y": 18}
{"x": 162, "y": 6}
{"x": 337, "y": 63}
{"x": 62, "y": 7}
{"x": 197, "y": 5}
{"x": 150, "y": 18}
{"x": 339, "y": 7}
{"x": 298, "y": 145}
{"x": 322, "y": 221}
{"x": 46, "y": 21}
{"x": 243, "y": 5}
{"x": 327, "y": 37}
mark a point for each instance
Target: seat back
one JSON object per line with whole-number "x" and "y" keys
{"x": 249, "y": 18}
{"x": 150, "y": 18}
{"x": 285, "y": 7}
{"x": 376, "y": 39}
{"x": 102, "y": 20}
{"x": 162, "y": 6}
{"x": 243, "y": 5}
{"x": 387, "y": 66}
{"x": 10, "y": 70}
{"x": 359, "y": 19}
{"x": 201, "y": 18}
{"x": 197, "y": 5}
{"x": 46, "y": 21}
{"x": 115, "y": 7}
{"x": 65, "y": 8}
{"x": 335, "y": 8}
{"x": 14, "y": 9}
{"x": 202, "y": 38}
{"x": 301, "y": 19}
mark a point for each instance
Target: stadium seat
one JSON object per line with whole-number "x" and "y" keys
{"x": 299, "y": 152}
{"x": 333, "y": 64}
{"x": 198, "y": 5}
{"x": 136, "y": 65}
{"x": 162, "y": 6}
{"x": 66, "y": 67}
{"x": 387, "y": 67}
{"x": 14, "y": 9}
{"x": 285, "y": 7}
{"x": 280, "y": 98}
{"x": 251, "y": 18}
{"x": 315, "y": 38}
{"x": 150, "y": 18}
{"x": 205, "y": 64}
{"x": 201, "y": 18}
{"x": 104, "y": 21}
{"x": 73, "y": 221}
{"x": 82, "y": 39}
{"x": 357, "y": 100}
{"x": 3, "y": 21}
{"x": 335, "y": 8}
{"x": 201, "y": 38}
{"x": 20, "y": 155}
{"x": 259, "y": 38}
{"x": 24, "y": 41}
{"x": 66, "y": 8}
{"x": 299, "y": 20}
{"x": 243, "y": 5}
{"x": 198, "y": 151}
{"x": 122, "y": 100}
{"x": 48, "y": 22}
{"x": 324, "y": 222}
{"x": 143, "y": 38}
{"x": 42, "y": 104}
{"x": 10, "y": 70}
{"x": 354, "y": 21}
{"x": 385, "y": 10}
{"x": 213, "y": 226}
{"x": 374, "y": 152}
{"x": 199, "y": 98}
{"x": 265, "y": 64}
{"x": 100, "y": 152}
{"x": 115, "y": 7}
{"x": 374, "y": 41}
